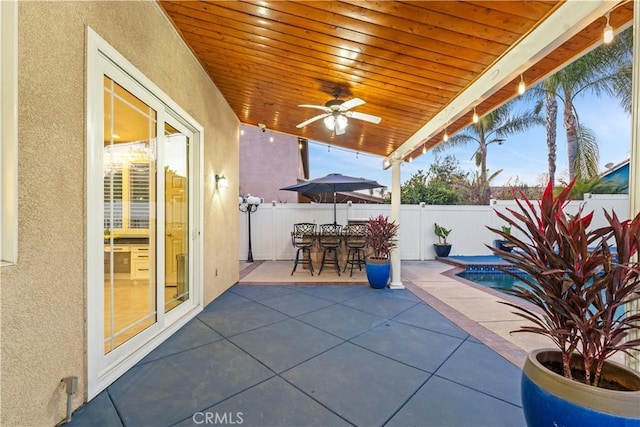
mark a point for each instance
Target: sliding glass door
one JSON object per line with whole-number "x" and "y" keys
{"x": 143, "y": 215}
{"x": 141, "y": 212}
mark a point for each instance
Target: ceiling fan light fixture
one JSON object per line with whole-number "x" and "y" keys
{"x": 341, "y": 122}
{"x": 330, "y": 122}
{"x": 337, "y": 114}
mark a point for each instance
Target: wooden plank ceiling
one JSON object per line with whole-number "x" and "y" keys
{"x": 408, "y": 60}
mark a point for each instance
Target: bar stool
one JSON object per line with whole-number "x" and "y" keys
{"x": 302, "y": 237}
{"x": 355, "y": 240}
{"x": 330, "y": 238}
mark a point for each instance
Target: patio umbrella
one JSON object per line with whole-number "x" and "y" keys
{"x": 333, "y": 183}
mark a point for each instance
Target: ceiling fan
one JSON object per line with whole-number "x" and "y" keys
{"x": 337, "y": 112}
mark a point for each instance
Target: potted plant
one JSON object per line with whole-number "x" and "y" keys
{"x": 442, "y": 248}
{"x": 381, "y": 235}
{"x": 503, "y": 244}
{"x": 579, "y": 280}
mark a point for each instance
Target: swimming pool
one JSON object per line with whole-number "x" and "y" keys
{"x": 503, "y": 280}
{"x": 492, "y": 280}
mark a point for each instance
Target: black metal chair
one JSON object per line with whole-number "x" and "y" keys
{"x": 355, "y": 236}
{"x": 303, "y": 237}
{"x": 330, "y": 238}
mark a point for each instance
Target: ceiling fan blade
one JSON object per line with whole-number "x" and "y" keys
{"x": 352, "y": 103}
{"x": 319, "y": 107}
{"x": 363, "y": 116}
{"x": 311, "y": 120}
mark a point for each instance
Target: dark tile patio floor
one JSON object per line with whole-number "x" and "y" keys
{"x": 314, "y": 355}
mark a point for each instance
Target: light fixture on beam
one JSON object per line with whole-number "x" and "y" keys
{"x": 424, "y": 149}
{"x": 445, "y": 137}
{"x": 521, "y": 86}
{"x": 608, "y": 31}
{"x": 475, "y": 116}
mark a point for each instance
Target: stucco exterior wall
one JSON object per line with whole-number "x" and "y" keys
{"x": 267, "y": 166}
{"x": 43, "y": 297}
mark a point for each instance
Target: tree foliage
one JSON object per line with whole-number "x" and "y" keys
{"x": 493, "y": 128}
{"x": 595, "y": 185}
{"x": 436, "y": 187}
{"x": 605, "y": 70}
{"x": 474, "y": 190}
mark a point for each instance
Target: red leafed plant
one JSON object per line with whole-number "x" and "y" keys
{"x": 577, "y": 276}
{"x": 382, "y": 236}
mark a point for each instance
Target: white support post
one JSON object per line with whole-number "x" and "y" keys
{"x": 634, "y": 165}
{"x": 396, "y": 282}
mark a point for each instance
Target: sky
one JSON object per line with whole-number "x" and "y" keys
{"x": 522, "y": 157}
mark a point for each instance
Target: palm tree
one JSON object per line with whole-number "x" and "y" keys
{"x": 492, "y": 128}
{"x": 604, "y": 70}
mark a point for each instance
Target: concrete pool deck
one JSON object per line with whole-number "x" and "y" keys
{"x": 474, "y": 308}
{"x": 283, "y": 350}
{"x": 316, "y": 354}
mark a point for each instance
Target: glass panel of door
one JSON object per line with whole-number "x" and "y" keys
{"x": 129, "y": 171}
{"x": 176, "y": 198}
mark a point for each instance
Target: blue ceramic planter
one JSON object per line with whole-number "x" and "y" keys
{"x": 549, "y": 399}
{"x": 378, "y": 272}
{"x": 442, "y": 250}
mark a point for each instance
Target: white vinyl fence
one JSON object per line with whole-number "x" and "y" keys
{"x": 272, "y": 223}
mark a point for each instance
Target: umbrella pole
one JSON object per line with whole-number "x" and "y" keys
{"x": 334, "y": 209}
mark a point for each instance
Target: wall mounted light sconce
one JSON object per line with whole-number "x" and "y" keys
{"x": 221, "y": 181}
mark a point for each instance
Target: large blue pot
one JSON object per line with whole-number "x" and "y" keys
{"x": 378, "y": 272}
{"x": 549, "y": 399}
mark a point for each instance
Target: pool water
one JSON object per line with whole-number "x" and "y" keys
{"x": 493, "y": 280}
